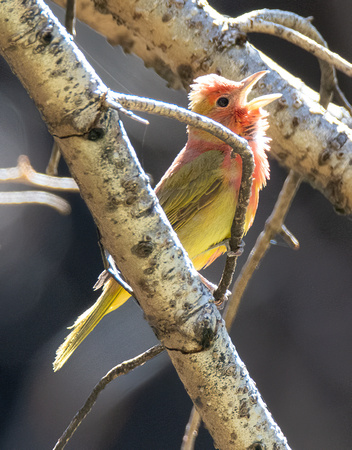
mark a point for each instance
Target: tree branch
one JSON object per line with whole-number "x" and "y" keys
{"x": 24, "y": 173}
{"x": 35, "y": 197}
{"x": 272, "y": 228}
{"x": 289, "y": 20}
{"x": 256, "y": 23}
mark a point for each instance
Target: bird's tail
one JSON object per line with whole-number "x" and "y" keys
{"x": 112, "y": 297}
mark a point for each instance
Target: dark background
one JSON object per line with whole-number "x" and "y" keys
{"x": 294, "y": 327}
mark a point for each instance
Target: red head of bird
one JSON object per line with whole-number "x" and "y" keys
{"x": 225, "y": 101}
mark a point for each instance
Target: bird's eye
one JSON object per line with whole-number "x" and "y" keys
{"x": 222, "y": 102}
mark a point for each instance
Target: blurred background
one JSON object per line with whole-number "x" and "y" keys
{"x": 293, "y": 330}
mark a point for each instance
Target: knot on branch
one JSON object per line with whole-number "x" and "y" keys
{"x": 206, "y": 326}
{"x": 230, "y": 36}
{"x": 194, "y": 330}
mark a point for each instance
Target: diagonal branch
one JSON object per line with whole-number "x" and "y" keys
{"x": 272, "y": 228}
{"x": 289, "y": 20}
{"x": 255, "y": 22}
{"x": 122, "y": 369}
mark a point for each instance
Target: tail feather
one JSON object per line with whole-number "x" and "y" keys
{"x": 112, "y": 297}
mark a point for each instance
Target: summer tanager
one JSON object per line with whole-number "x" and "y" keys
{"x": 199, "y": 191}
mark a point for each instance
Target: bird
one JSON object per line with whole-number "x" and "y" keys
{"x": 199, "y": 191}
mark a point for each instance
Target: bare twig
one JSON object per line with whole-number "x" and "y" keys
{"x": 53, "y": 164}
{"x": 272, "y": 227}
{"x": 24, "y": 173}
{"x": 289, "y": 238}
{"x": 35, "y": 197}
{"x": 246, "y": 25}
{"x": 341, "y": 96}
{"x": 328, "y": 81}
{"x": 121, "y": 369}
{"x": 191, "y": 432}
{"x": 126, "y": 112}
{"x": 70, "y": 17}
{"x": 237, "y": 231}
{"x": 238, "y": 144}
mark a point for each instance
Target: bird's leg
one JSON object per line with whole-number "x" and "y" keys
{"x": 238, "y": 251}
{"x": 110, "y": 271}
{"x": 113, "y": 270}
{"x": 226, "y": 243}
{"x": 212, "y": 288}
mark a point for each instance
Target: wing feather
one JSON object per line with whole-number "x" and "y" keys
{"x": 191, "y": 188}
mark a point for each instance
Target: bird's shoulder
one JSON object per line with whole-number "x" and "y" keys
{"x": 191, "y": 186}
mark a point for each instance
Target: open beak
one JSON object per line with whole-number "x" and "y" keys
{"x": 262, "y": 101}
{"x": 247, "y": 85}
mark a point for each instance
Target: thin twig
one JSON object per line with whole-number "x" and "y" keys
{"x": 70, "y": 17}
{"x": 239, "y": 145}
{"x": 328, "y": 80}
{"x": 191, "y": 432}
{"x": 237, "y": 231}
{"x": 341, "y": 96}
{"x": 272, "y": 227}
{"x": 35, "y": 197}
{"x": 262, "y": 26}
{"x": 126, "y": 112}
{"x": 289, "y": 238}
{"x": 24, "y": 173}
{"x": 53, "y": 164}
{"x": 121, "y": 369}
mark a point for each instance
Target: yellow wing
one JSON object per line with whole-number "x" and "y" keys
{"x": 181, "y": 194}
{"x": 200, "y": 206}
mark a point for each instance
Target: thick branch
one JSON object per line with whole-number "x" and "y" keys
{"x": 134, "y": 228}
{"x": 184, "y": 39}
